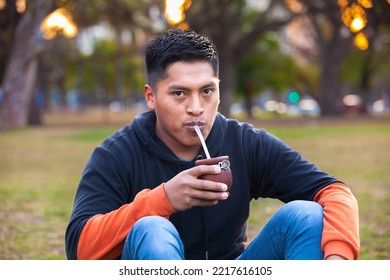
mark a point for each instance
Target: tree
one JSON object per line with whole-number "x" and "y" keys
{"x": 266, "y": 68}
{"x": 321, "y": 20}
{"x": 21, "y": 71}
{"x": 374, "y": 59}
{"x": 123, "y": 17}
{"x": 27, "y": 44}
{"x": 333, "y": 44}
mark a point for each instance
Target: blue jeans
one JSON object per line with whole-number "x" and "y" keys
{"x": 293, "y": 233}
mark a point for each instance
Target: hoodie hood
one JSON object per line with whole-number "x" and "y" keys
{"x": 145, "y": 129}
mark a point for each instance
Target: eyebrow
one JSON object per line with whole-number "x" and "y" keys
{"x": 180, "y": 87}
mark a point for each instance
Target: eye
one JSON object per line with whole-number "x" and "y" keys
{"x": 178, "y": 93}
{"x": 208, "y": 91}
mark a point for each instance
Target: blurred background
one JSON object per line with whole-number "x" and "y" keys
{"x": 315, "y": 73}
{"x": 286, "y": 57}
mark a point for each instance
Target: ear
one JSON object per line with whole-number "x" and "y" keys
{"x": 149, "y": 97}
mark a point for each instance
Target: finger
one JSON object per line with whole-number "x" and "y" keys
{"x": 209, "y": 195}
{"x": 200, "y": 170}
{"x": 207, "y": 202}
{"x": 211, "y": 186}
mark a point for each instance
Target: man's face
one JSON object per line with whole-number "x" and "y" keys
{"x": 188, "y": 95}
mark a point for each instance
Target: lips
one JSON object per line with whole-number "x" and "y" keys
{"x": 190, "y": 125}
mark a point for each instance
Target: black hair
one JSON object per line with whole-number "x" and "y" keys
{"x": 178, "y": 45}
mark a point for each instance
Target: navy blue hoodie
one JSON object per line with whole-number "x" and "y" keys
{"x": 134, "y": 159}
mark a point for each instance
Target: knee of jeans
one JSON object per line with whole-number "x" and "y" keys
{"x": 309, "y": 211}
{"x": 151, "y": 222}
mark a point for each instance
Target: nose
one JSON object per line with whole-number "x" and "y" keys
{"x": 195, "y": 106}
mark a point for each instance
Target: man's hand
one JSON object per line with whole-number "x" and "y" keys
{"x": 185, "y": 190}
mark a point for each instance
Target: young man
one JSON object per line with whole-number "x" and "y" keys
{"x": 141, "y": 195}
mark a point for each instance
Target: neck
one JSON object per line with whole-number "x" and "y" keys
{"x": 188, "y": 154}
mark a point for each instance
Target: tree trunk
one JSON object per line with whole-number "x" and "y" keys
{"x": 227, "y": 86}
{"x": 9, "y": 18}
{"x": 333, "y": 52}
{"x": 364, "y": 86}
{"x": 20, "y": 76}
{"x": 118, "y": 63}
{"x": 329, "y": 88}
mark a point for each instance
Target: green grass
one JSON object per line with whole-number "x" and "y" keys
{"x": 40, "y": 169}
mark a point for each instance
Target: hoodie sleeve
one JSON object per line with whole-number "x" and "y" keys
{"x": 341, "y": 221}
{"x": 103, "y": 235}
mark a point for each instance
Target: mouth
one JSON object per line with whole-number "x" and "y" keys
{"x": 190, "y": 125}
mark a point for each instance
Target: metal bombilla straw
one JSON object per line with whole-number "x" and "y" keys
{"x": 196, "y": 127}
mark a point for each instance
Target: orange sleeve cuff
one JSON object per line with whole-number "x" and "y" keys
{"x": 341, "y": 221}
{"x": 103, "y": 235}
{"x": 339, "y": 248}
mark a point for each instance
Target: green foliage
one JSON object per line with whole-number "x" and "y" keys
{"x": 267, "y": 67}
{"x": 353, "y": 67}
{"x": 102, "y": 65}
{"x": 97, "y": 71}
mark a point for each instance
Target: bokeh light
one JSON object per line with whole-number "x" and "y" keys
{"x": 357, "y": 24}
{"x": 20, "y": 5}
{"x": 294, "y": 97}
{"x": 366, "y": 3}
{"x": 354, "y": 17}
{"x": 360, "y": 41}
{"x": 58, "y": 22}
{"x": 175, "y": 10}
